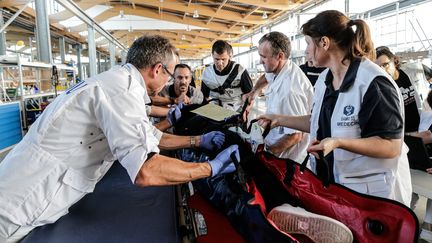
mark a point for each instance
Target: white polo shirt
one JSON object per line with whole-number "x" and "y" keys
{"x": 289, "y": 93}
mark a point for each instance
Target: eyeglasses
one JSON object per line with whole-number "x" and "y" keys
{"x": 385, "y": 65}
{"x": 166, "y": 70}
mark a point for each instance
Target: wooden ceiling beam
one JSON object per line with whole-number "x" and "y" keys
{"x": 198, "y": 33}
{"x": 12, "y": 3}
{"x": 273, "y": 4}
{"x": 154, "y": 15}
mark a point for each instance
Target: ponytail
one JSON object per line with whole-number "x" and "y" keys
{"x": 362, "y": 45}
{"x": 339, "y": 28}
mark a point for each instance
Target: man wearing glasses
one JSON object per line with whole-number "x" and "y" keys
{"x": 412, "y": 101}
{"x": 289, "y": 92}
{"x": 77, "y": 138}
{"x": 225, "y": 80}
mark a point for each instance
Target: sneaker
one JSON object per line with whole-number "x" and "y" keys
{"x": 319, "y": 228}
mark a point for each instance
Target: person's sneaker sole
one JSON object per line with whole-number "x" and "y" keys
{"x": 319, "y": 228}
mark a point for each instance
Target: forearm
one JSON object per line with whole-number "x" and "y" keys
{"x": 158, "y": 111}
{"x": 301, "y": 123}
{"x": 160, "y": 100}
{"x": 285, "y": 143}
{"x": 376, "y": 147}
{"x": 260, "y": 84}
{"x": 171, "y": 142}
{"x": 163, "y": 125}
{"x": 161, "y": 170}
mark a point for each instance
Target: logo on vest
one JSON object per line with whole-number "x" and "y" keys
{"x": 348, "y": 110}
{"x": 348, "y": 119}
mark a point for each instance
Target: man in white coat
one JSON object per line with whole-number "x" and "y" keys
{"x": 78, "y": 137}
{"x": 289, "y": 92}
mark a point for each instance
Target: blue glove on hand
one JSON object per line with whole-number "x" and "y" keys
{"x": 174, "y": 114}
{"x": 222, "y": 163}
{"x": 212, "y": 140}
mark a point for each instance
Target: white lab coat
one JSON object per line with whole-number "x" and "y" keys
{"x": 73, "y": 144}
{"x": 289, "y": 93}
{"x": 388, "y": 178}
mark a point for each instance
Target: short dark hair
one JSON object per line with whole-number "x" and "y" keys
{"x": 384, "y": 50}
{"x": 279, "y": 42}
{"x": 182, "y": 65}
{"x": 220, "y": 46}
{"x": 148, "y": 50}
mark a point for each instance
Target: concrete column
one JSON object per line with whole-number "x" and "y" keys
{"x": 347, "y": 8}
{"x": 123, "y": 56}
{"x": 2, "y": 35}
{"x": 99, "y": 67}
{"x": 105, "y": 66}
{"x": 43, "y": 32}
{"x": 112, "y": 54}
{"x": 79, "y": 65}
{"x": 91, "y": 51}
{"x": 396, "y": 25}
{"x": 62, "y": 49}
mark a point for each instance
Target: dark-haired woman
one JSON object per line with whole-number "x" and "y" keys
{"x": 357, "y": 117}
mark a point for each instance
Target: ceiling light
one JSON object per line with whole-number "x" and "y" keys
{"x": 122, "y": 14}
{"x": 243, "y": 28}
{"x": 195, "y": 14}
{"x": 161, "y": 1}
{"x": 130, "y": 28}
{"x": 264, "y": 16}
{"x": 188, "y": 28}
{"x": 183, "y": 37}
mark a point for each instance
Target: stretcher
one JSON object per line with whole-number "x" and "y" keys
{"x": 117, "y": 211}
{"x": 264, "y": 181}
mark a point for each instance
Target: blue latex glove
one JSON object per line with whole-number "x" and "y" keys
{"x": 222, "y": 163}
{"x": 212, "y": 140}
{"x": 174, "y": 114}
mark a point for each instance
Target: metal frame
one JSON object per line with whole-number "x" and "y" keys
{"x": 78, "y": 12}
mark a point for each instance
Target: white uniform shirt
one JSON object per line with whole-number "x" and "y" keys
{"x": 72, "y": 145}
{"x": 289, "y": 93}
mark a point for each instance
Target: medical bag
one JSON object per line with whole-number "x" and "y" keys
{"x": 263, "y": 182}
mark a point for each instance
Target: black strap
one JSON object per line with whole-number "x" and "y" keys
{"x": 326, "y": 178}
{"x": 228, "y": 81}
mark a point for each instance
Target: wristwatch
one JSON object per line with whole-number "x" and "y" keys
{"x": 192, "y": 141}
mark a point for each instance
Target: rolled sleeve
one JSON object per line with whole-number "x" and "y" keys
{"x": 126, "y": 126}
